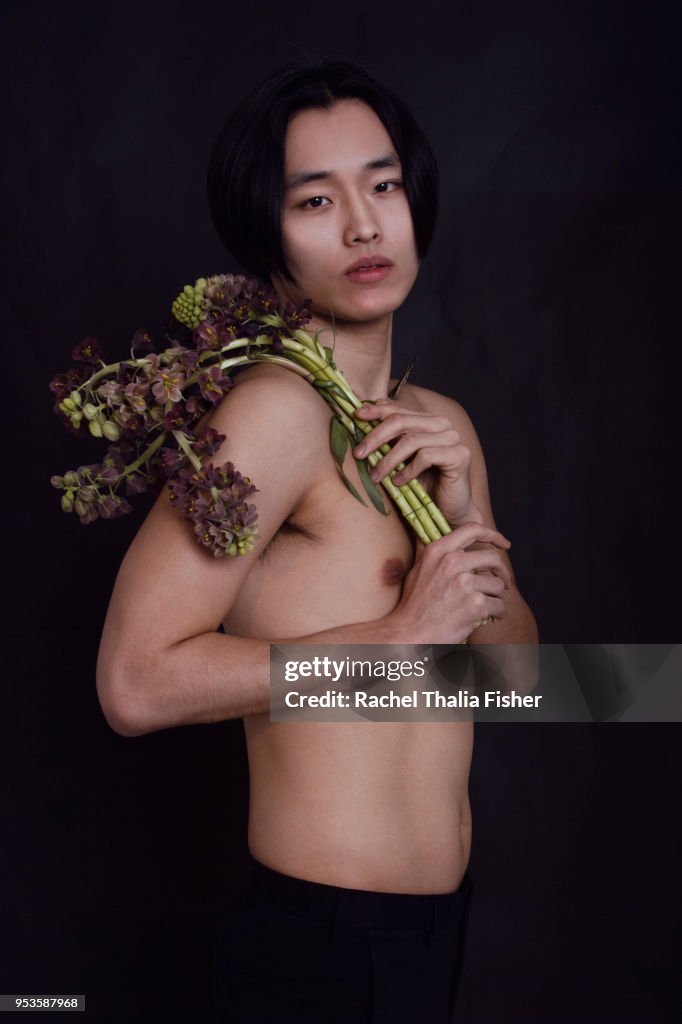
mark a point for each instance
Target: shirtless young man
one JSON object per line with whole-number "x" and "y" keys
{"x": 334, "y": 807}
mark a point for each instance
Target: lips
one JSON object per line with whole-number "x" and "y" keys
{"x": 370, "y": 262}
{"x": 369, "y": 269}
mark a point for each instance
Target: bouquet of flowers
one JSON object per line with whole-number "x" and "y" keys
{"x": 148, "y": 406}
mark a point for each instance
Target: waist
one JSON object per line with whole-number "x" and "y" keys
{"x": 361, "y": 907}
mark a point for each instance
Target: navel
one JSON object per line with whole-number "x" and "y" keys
{"x": 392, "y": 572}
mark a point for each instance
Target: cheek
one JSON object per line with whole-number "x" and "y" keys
{"x": 309, "y": 254}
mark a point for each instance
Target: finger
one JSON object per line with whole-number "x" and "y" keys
{"x": 467, "y": 534}
{"x": 415, "y": 444}
{"x": 452, "y": 461}
{"x": 483, "y": 563}
{"x": 378, "y": 408}
{"x": 396, "y": 424}
{"x": 494, "y": 609}
{"x": 488, "y": 583}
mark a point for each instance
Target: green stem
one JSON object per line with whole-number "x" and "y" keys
{"x": 145, "y": 457}
{"x": 187, "y": 448}
{"x": 414, "y": 504}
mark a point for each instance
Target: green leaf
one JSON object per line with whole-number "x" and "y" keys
{"x": 369, "y": 485}
{"x": 336, "y": 390}
{"x": 339, "y": 441}
{"x": 339, "y": 444}
{"x": 352, "y": 489}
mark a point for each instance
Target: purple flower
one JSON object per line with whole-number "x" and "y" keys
{"x": 135, "y": 394}
{"x": 206, "y": 336}
{"x": 168, "y": 383}
{"x": 208, "y": 442}
{"x": 136, "y": 483}
{"x": 87, "y": 352}
{"x": 214, "y": 501}
{"x": 265, "y": 300}
{"x": 170, "y": 460}
{"x": 142, "y": 341}
{"x": 177, "y": 417}
{"x": 213, "y": 384}
{"x": 296, "y": 317}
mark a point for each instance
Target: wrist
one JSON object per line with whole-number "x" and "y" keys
{"x": 473, "y": 514}
{"x": 400, "y": 629}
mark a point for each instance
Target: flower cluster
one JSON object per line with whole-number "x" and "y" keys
{"x": 147, "y": 408}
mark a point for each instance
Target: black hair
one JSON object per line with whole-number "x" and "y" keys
{"x": 246, "y": 166}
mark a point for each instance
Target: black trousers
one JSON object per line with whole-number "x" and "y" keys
{"x": 300, "y": 952}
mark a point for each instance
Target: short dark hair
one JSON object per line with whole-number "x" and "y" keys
{"x": 246, "y": 165}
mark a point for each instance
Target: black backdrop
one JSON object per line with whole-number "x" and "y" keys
{"x": 547, "y": 306}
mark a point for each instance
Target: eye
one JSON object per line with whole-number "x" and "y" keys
{"x": 383, "y": 186}
{"x": 313, "y": 203}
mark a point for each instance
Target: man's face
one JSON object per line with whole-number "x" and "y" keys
{"x": 354, "y": 210}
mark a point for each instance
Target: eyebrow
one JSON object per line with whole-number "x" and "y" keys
{"x": 305, "y": 177}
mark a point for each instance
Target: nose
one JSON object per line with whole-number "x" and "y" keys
{"x": 362, "y": 224}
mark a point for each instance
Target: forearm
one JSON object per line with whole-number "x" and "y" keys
{"x": 212, "y": 677}
{"x": 509, "y": 646}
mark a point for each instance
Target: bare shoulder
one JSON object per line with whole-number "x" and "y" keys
{"x": 426, "y": 400}
{"x": 272, "y": 400}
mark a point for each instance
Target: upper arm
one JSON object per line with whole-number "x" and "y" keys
{"x": 169, "y": 587}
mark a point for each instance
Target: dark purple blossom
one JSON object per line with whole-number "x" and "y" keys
{"x": 87, "y": 351}
{"x": 136, "y": 483}
{"x": 296, "y": 317}
{"x": 214, "y": 501}
{"x": 170, "y": 460}
{"x": 208, "y": 442}
{"x": 142, "y": 341}
{"x": 214, "y": 384}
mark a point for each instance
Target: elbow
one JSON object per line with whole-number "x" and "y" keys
{"x": 121, "y": 704}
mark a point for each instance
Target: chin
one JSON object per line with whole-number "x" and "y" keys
{"x": 370, "y": 305}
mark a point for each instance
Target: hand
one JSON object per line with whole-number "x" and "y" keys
{"x": 429, "y": 442}
{"x": 449, "y": 591}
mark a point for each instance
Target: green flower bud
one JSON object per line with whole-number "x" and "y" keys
{"x": 76, "y": 417}
{"x": 95, "y": 428}
{"x": 111, "y": 431}
{"x": 57, "y": 481}
{"x": 72, "y": 479}
{"x": 80, "y": 507}
{"x": 68, "y": 405}
{"x": 89, "y": 411}
{"x": 67, "y": 501}
{"x": 75, "y": 397}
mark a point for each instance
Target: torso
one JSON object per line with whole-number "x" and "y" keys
{"x": 366, "y": 805}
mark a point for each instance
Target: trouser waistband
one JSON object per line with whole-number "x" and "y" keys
{"x": 358, "y": 907}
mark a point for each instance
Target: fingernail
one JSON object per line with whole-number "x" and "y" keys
{"x": 360, "y": 450}
{"x": 374, "y": 475}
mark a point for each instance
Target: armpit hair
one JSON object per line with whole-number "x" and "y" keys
{"x": 289, "y": 528}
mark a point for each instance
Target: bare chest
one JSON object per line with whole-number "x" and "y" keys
{"x": 332, "y": 563}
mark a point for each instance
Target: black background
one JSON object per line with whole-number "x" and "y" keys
{"x": 548, "y": 306}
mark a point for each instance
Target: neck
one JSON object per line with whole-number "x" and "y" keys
{"x": 362, "y": 351}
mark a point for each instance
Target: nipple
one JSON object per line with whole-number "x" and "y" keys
{"x": 392, "y": 572}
